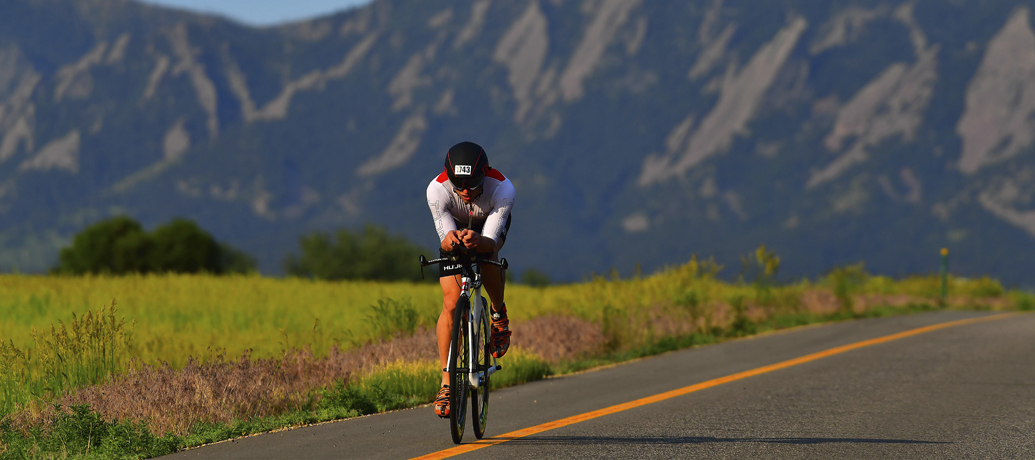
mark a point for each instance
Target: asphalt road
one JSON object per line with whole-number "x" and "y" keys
{"x": 961, "y": 392}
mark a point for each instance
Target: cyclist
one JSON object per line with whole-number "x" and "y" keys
{"x": 470, "y": 192}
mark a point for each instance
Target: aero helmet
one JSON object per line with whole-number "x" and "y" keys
{"x": 466, "y": 165}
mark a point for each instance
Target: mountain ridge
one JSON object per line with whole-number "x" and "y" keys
{"x": 636, "y": 133}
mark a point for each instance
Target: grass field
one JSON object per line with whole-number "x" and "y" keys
{"x": 173, "y": 317}
{"x": 325, "y": 350}
{"x": 177, "y": 316}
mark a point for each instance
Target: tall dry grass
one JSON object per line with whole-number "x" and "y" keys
{"x": 86, "y": 352}
{"x": 185, "y": 357}
{"x": 179, "y": 316}
{"x": 222, "y": 389}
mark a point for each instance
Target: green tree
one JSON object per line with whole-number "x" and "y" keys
{"x": 117, "y": 246}
{"x": 182, "y": 247}
{"x": 372, "y": 254}
{"x": 120, "y": 245}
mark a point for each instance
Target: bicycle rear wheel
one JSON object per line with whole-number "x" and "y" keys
{"x": 458, "y": 382}
{"x": 483, "y": 360}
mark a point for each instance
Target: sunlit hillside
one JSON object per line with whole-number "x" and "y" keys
{"x": 635, "y": 132}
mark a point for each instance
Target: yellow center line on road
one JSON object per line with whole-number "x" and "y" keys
{"x": 464, "y": 448}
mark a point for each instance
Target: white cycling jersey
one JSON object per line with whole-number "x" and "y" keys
{"x": 490, "y": 210}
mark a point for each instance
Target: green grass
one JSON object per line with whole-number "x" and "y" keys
{"x": 82, "y": 433}
{"x": 1023, "y": 300}
{"x": 177, "y": 316}
{"x": 86, "y": 352}
{"x": 55, "y": 343}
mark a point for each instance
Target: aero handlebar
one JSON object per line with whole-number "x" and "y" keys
{"x": 463, "y": 258}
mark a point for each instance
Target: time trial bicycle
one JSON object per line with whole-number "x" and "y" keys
{"x": 470, "y": 362}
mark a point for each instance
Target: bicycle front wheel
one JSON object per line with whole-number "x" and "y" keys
{"x": 483, "y": 360}
{"x": 458, "y": 382}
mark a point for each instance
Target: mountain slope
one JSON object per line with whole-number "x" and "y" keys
{"x": 635, "y": 132}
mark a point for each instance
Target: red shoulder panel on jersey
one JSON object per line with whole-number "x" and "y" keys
{"x": 442, "y": 178}
{"x": 495, "y": 174}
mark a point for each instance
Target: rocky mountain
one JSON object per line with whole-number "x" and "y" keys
{"x": 636, "y": 132}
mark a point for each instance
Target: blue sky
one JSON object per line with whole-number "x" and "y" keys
{"x": 262, "y": 12}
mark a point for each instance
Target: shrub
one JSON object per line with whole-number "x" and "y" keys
{"x": 182, "y": 247}
{"x": 117, "y": 246}
{"x": 370, "y": 255}
{"x": 120, "y": 246}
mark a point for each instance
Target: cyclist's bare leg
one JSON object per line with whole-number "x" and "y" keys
{"x": 444, "y": 328}
{"x": 492, "y": 281}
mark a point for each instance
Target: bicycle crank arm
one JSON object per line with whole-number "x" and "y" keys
{"x": 477, "y": 378}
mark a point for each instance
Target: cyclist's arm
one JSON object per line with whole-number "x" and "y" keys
{"x": 438, "y": 201}
{"x": 471, "y": 239}
{"x": 502, "y": 203}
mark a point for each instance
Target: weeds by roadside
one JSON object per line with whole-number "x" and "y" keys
{"x": 88, "y": 351}
{"x": 80, "y": 432}
{"x": 83, "y": 430}
{"x": 107, "y": 404}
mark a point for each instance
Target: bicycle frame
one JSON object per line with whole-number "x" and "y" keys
{"x": 470, "y": 322}
{"x": 472, "y": 287}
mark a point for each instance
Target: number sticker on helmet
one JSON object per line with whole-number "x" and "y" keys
{"x": 462, "y": 170}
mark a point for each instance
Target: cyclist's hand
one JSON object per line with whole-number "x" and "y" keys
{"x": 469, "y": 238}
{"x": 452, "y": 240}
